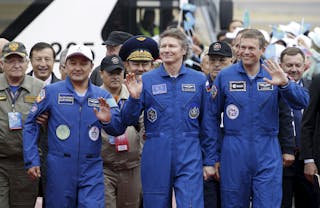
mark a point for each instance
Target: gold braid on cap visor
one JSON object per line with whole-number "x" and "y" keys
{"x": 140, "y": 55}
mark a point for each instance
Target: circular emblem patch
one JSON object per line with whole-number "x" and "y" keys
{"x": 194, "y": 112}
{"x": 115, "y": 60}
{"x": 232, "y": 111}
{"x": 94, "y": 133}
{"x": 152, "y": 115}
{"x": 63, "y": 132}
{"x": 217, "y": 47}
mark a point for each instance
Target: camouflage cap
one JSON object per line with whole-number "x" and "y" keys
{"x": 14, "y": 48}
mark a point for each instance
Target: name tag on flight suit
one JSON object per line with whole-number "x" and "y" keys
{"x": 264, "y": 86}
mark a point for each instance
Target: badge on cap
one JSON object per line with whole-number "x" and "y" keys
{"x": 152, "y": 115}
{"x": 141, "y": 38}
{"x": 13, "y": 46}
{"x": 232, "y": 111}
{"x": 94, "y": 133}
{"x": 63, "y": 132}
{"x": 217, "y": 47}
{"x": 115, "y": 60}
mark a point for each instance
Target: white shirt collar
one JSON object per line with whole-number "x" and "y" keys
{"x": 47, "y": 81}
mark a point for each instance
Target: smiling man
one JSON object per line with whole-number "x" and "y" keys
{"x": 17, "y": 93}
{"x": 74, "y": 165}
{"x": 248, "y": 94}
{"x": 176, "y": 107}
{"x": 295, "y": 185}
{"x": 42, "y": 57}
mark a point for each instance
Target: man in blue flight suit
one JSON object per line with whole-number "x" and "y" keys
{"x": 248, "y": 94}
{"x": 177, "y": 122}
{"x": 74, "y": 165}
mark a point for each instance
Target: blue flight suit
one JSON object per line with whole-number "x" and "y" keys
{"x": 251, "y": 161}
{"x": 74, "y": 165}
{"x": 178, "y": 124}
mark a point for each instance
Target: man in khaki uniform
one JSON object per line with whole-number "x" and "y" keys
{"x": 17, "y": 94}
{"x": 121, "y": 155}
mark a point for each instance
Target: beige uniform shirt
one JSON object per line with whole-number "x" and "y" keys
{"x": 11, "y": 140}
{"x": 125, "y": 159}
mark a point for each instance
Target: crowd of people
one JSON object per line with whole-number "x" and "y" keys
{"x": 146, "y": 128}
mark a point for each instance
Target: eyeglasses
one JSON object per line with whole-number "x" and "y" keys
{"x": 14, "y": 61}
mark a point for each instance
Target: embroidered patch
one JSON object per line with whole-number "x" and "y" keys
{"x": 41, "y": 95}
{"x": 159, "y": 89}
{"x": 34, "y": 108}
{"x": 232, "y": 111}
{"x": 152, "y": 115}
{"x": 65, "y": 98}
{"x": 63, "y": 132}
{"x": 208, "y": 88}
{"x": 237, "y": 86}
{"x": 194, "y": 112}
{"x": 94, "y": 133}
{"x": 93, "y": 102}
{"x": 214, "y": 91}
{"x": 3, "y": 97}
{"x": 264, "y": 86}
{"x": 29, "y": 99}
{"x": 188, "y": 87}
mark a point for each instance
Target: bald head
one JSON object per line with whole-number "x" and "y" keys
{"x": 3, "y": 41}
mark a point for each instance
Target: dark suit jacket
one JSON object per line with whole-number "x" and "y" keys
{"x": 290, "y": 139}
{"x": 286, "y": 129}
{"x": 310, "y": 130}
